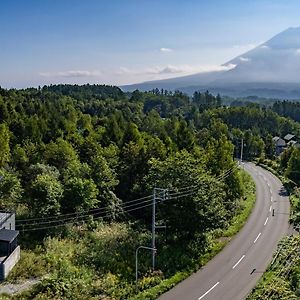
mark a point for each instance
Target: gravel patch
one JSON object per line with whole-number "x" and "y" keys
{"x": 15, "y": 288}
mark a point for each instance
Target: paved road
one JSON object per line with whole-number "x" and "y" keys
{"x": 233, "y": 273}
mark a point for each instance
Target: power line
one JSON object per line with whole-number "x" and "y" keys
{"x": 222, "y": 176}
{"x": 82, "y": 218}
{"x": 76, "y": 213}
{"x": 102, "y": 212}
{"x": 69, "y": 223}
{"x": 80, "y": 215}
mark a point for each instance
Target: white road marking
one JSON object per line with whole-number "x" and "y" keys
{"x": 266, "y": 221}
{"x": 238, "y": 261}
{"x": 208, "y": 291}
{"x": 257, "y": 238}
{"x": 271, "y": 198}
{"x": 270, "y": 208}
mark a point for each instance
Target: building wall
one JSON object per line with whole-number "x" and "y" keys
{"x": 9, "y": 263}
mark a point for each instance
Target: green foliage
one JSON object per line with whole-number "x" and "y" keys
{"x": 75, "y": 148}
{"x": 100, "y": 262}
{"x": 31, "y": 265}
{"x": 196, "y": 212}
{"x": 281, "y": 281}
{"x": 98, "y": 133}
{"x": 4, "y": 145}
{"x": 287, "y": 109}
{"x": 285, "y": 157}
{"x": 45, "y": 189}
{"x": 206, "y": 100}
{"x": 10, "y": 189}
{"x": 59, "y": 154}
{"x": 293, "y": 167}
{"x": 79, "y": 195}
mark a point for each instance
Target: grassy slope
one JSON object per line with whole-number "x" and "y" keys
{"x": 282, "y": 278}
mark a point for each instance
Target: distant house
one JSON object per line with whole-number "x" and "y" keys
{"x": 292, "y": 143}
{"x": 279, "y": 143}
{"x": 9, "y": 249}
{"x": 289, "y": 137}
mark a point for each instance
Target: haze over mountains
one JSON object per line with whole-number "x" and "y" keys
{"x": 272, "y": 69}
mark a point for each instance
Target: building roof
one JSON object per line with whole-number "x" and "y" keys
{"x": 4, "y": 216}
{"x": 279, "y": 142}
{"x": 289, "y": 137}
{"x": 7, "y": 235}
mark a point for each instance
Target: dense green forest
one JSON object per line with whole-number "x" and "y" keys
{"x": 288, "y": 109}
{"x": 79, "y": 164}
{"x": 66, "y": 149}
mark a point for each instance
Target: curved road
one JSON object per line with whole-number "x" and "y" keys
{"x": 233, "y": 273}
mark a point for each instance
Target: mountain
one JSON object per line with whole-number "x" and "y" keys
{"x": 270, "y": 70}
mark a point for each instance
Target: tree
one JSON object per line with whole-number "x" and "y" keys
{"x": 293, "y": 168}
{"x": 219, "y": 155}
{"x": 60, "y": 154}
{"x": 4, "y": 145}
{"x": 184, "y": 136}
{"x": 188, "y": 213}
{"x": 79, "y": 195}
{"x": 285, "y": 157}
{"x": 10, "y": 189}
{"x": 45, "y": 195}
{"x": 270, "y": 146}
{"x": 106, "y": 180}
{"x": 19, "y": 158}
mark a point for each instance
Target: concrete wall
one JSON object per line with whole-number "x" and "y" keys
{"x": 9, "y": 263}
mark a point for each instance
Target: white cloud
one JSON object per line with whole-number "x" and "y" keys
{"x": 124, "y": 71}
{"x": 264, "y": 47}
{"x": 128, "y": 75}
{"x": 71, "y": 74}
{"x": 166, "y": 70}
{"x": 245, "y": 46}
{"x": 245, "y": 59}
{"x": 163, "y": 49}
{"x": 193, "y": 69}
{"x": 172, "y": 69}
{"x": 298, "y": 51}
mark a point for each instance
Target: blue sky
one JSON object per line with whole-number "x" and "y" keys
{"x": 128, "y": 41}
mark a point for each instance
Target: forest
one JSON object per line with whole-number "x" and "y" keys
{"x": 78, "y": 165}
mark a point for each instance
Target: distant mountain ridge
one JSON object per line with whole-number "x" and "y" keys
{"x": 272, "y": 69}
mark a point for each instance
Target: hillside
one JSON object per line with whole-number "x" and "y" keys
{"x": 78, "y": 164}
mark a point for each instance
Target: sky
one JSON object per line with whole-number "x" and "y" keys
{"x": 128, "y": 41}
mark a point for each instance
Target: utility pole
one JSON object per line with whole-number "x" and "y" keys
{"x": 153, "y": 228}
{"x": 242, "y": 149}
{"x": 158, "y": 194}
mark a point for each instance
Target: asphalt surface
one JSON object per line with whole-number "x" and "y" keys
{"x": 234, "y": 272}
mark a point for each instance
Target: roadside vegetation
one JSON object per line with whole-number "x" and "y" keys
{"x": 97, "y": 260}
{"x": 79, "y": 163}
{"x": 282, "y": 279}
